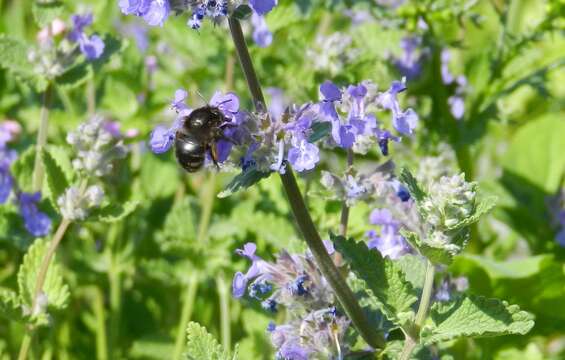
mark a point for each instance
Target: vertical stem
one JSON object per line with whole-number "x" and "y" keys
{"x": 301, "y": 214}
{"x": 344, "y": 207}
{"x": 91, "y": 96}
{"x": 426, "y": 295}
{"x": 114, "y": 278}
{"x": 42, "y": 138}
{"x": 224, "y": 311}
{"x": 40, "y": 281}
{"x": 186, "y": 313}
{"x": 101, "y": 336}
{"x": 24, "y": 347}
{"x": 411, "y": 339}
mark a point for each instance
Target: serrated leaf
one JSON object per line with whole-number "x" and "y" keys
{"x": 412, "y": 184}
{"x": 10, "y": 305}
{"x": 244, "y": 180}
{"x": 56, "y": 292}
{"x": 474, "y": 316}
{"x": 55, "y": 178}
{"x": 13, "y": 56}
{"x": 319, "y": 131}
{"x": 382, "y": 278}
{"x": 203, "y": 346}
{"x": 45, "y": 12}
{"x": 75, "y": 75}
{"x": 439, "y": 254}
{"x": 113, "y": 212}
{"x": 483, "y": 207}
{"x": 414, "y": 269}
{"x": 22, "y": 169}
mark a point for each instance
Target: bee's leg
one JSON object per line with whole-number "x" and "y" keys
{"x": 214, "y": 154}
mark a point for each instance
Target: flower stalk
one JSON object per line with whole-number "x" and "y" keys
{"x": 42, "y": 138}
{"x": 412, "y": 338}
{"x": 301, "y": 213}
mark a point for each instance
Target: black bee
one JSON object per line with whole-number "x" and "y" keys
{"x": 198, "y": 135}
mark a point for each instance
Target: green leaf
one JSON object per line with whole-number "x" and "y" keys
{"x": 381, "y": 276}
{"x": 112, "y": 212}
{"x": 474, "y": 316}
{"x": 319, "y": 131}
{"x": 242, "y": 12}
{"x": 536, "y": 153}
{"x": 45, "y": 12}
{"x": 55, "y": 178}
{"x": 22, "y": 169}
{"x": 74, "y": 76}
{"x": 412, "y": 184}
{"x": 483, "y": 207}
{"x": 414, "y": 269}
{"x": 203, "y": 346}
{"x": 13, "y": 56}
{"x": 244, "y": 180}
{"x": 55, "y": 290}
{"x": 10, "y": 305}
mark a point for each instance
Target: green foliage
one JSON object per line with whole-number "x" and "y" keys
{"x": 10, "y": 306}
{"x": 412, "y": 185}
{"x": 44, "y": 12}
{"x": 475, "y": 316}
{"x": 383, "y": 279}
{"x": 54, "y": 288}
{"x": 13, "y": 56}
{"x": 203, "y": 346}
{"x": 56, "y": 179}
{"x": 113, "y": 212}
{"x": 244, "y": 180}
{"x": 22, "y": 169}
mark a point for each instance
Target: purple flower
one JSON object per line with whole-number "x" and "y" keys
{"x": 6, "y": 184}
{"x": 446, "y": 75}
{"x": 261, "y": 34}
{"x": 303, "y": 155}
{"x": 261, "y": 7}
{"x": 36, "y": 223}
{"x": 239, "y": 284}
{"x": 389, "y": 243}
{"x": 403, "y": 121}
{"x": 92, "y": 47}
{"x": 292, "y": 351}
{"x": 457, "y": 106}
{"x": 162, "y": 138}
{"x": 135, "y": 7}
{"x": 409, "y": 64}
{"x": 157, "y": 12}
{"x": 154, "y": 12}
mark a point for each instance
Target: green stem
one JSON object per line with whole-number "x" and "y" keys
{"x": 42, "y": 138}
{"x": 40, "y": 281}
{"x": 344, "y": 219}
{"x": 223, "y": 293}
{"x": 114, "y": 278}
{"x": 301, "y": 214}
{"x": 91, "y": 96}
{"x": 186, "y": 313}
{"x": 412, "y": 338}
{"x": 101, "y": 336}
{"x": 409, "y": 346}
{"x": 24, "y": 347}
{"x": 426, "y": 295}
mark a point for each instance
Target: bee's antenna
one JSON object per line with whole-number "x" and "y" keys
{"x": 225, "y": 101}
{"x": 201, "y": 97}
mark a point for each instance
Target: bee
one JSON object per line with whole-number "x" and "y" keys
{"x": 198, "y": 135}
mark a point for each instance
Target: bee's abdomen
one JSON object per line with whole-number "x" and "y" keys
{"x": 190, "y": 152}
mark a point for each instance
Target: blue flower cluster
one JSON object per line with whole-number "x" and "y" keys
{"x": 315, "y": 329}
{"x": 92, "y": 47}
{"x": 155, "y": 12}
{"x": 269, "y": 140}
{"x": 36, "y": 222}
{"x": 456, "y": 101}
{"x": 389, "y": 242}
